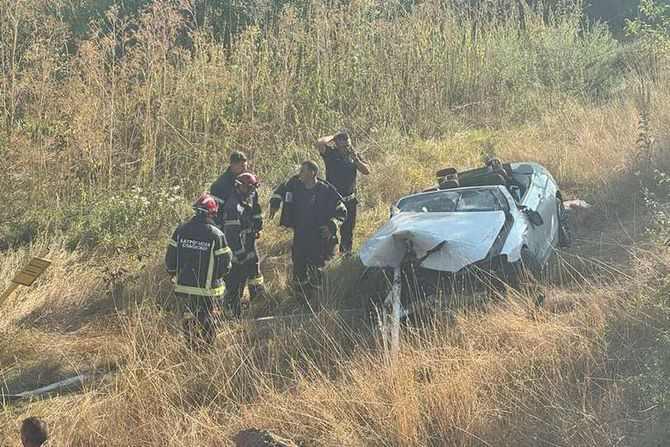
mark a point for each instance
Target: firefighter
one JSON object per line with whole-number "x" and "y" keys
{"x": 224, "y": 187}
{"x": 343, "y": 163}
{"x": 197, "y": 259}
{"x": 314, "y": 210}
{"x": 241, "y": 233}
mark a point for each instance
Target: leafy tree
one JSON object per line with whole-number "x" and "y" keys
{"x": 652, "y": 27}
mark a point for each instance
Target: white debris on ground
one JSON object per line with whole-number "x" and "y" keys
{"x": 578, "y": 211}
{"x": 576, "y": 204}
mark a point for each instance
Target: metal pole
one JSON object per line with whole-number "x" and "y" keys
{"x": 395, "y": 318}
{"x": 12, "y": 287}
{"x": 384, "y": 327}
{"x": 384, "y": 321}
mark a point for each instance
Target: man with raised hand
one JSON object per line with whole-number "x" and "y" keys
{"x": 343, "y": 163}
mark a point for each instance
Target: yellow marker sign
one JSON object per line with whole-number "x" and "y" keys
{"x": 27, "y": 276}
{"x": 31, "y": 272}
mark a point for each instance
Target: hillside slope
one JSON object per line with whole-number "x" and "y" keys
{"x": 584, "y": 371}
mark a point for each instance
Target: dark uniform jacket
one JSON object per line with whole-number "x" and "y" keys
{"x": 239, "y": 227}
{"x": 197, "y": 255}
{"x": 330, "y": 209}
{"x": 223, "y": 188}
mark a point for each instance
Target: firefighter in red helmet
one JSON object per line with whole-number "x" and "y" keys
{"x": 241, "y": 230}
{"x": 198, "y": 258}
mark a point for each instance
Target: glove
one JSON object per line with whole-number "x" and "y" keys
{"x": 246, "y": 257}
{"x": 325, "y": 232}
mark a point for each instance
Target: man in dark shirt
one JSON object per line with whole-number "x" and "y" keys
{"x": 314, "y": 210}
{"x": 222, "y": 190}
{"x": 224, "y": 186}
{"x": 343, "y": 163}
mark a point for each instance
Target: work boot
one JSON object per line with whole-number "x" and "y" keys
{"x": 231, "y": 307}
{"x": 256, "y": 291}
{"x": 256, "y": 286}
{"x": 302, "y": 291}
{"x": 245, "y": 304}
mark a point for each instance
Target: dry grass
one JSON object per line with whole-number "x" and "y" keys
{"x": 501, "y": 375}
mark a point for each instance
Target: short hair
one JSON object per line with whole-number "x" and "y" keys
{"x": 342, "y": 134}
{"x": 237, "y": 157}
{"x": 34, "y": 431}
{"x": 312, "y": 166}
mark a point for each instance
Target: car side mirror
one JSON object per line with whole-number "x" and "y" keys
{"x": 533, "y": 216}
{"x": 393, "y": 211}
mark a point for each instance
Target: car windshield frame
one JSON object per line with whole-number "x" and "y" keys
{"x": 465, "y": 200}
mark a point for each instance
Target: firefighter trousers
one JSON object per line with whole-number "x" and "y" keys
{"x": 197, "y": 320}
{"x": 309, "y": 255}
{"x": 241, "y": 275}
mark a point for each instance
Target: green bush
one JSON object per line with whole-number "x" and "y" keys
{"x": 128, "y": 220}
{"x": 124, "y": 220}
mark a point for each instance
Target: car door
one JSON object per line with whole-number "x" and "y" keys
{"x": 552, "y": 216}
{"x": 548, "y": 209}
{"x": 536, "y": 200}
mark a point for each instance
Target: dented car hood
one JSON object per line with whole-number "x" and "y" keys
{"x": 466, "y": 237}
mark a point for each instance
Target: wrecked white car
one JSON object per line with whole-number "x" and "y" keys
{"x": 473, "y": 235}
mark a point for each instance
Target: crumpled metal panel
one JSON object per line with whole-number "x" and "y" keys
{"x": 468, "y": 235}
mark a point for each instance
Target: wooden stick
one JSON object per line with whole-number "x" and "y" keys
{"x": 12, "y": 287}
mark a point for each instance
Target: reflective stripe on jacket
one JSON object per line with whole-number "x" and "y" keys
{"x": 198, "y": 256}
{"x": 331, "y": 210}
{"x": 239, "y": 226}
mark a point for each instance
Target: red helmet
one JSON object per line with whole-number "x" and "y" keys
{"x": 247, "y": 178}
{"x": 206, "y": 204}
